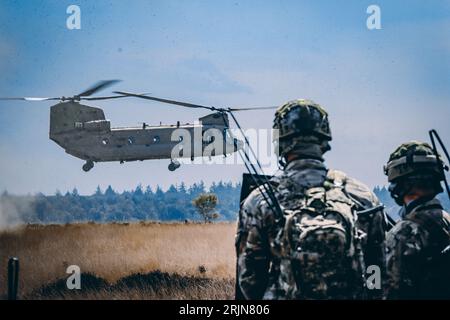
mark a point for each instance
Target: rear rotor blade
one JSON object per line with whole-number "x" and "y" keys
{"x": 30, "y": 99}
{"x": 97, "y": 87}
{"x": 178, "y": 103}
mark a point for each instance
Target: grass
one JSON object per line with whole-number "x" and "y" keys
{"x": 123, "y": 261}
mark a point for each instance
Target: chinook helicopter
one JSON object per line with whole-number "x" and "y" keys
{"x": 84, "y": 132}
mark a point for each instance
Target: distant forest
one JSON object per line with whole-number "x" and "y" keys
{"x": 141, "y": 204}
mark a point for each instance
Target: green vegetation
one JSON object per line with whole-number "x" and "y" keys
{"x": 206, "y": 204}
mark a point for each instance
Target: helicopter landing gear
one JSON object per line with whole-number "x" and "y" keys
{"x": 88, "y": 165}
{"x": 174, "y": 165}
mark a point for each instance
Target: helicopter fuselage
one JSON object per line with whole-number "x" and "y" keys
{"x": 84, "y": 132}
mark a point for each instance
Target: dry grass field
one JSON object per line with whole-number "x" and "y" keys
{"x": 123, "y": 261}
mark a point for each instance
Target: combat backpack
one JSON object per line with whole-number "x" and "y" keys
{"x": 319, "y": 245}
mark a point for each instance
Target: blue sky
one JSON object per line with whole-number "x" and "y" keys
{"x": 381, "y": 87}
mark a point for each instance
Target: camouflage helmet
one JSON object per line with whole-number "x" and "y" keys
{"x": 413, "y": 164}
{"x": 301, "y": 121}
{"x": 414, "y": 159}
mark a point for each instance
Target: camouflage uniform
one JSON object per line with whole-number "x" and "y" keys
{"x": 411, "y": 246}
{"x": 258, "y": 264}
{"x": 416, "y": 264}
{"x": 258, "y": 261}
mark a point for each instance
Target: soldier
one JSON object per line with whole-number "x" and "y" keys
{"x": 417, "y": 263}
{"x": 319, "y": 207}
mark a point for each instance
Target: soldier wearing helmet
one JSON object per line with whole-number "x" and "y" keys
{"x": 304, "y": 136}
{"x": 417, "y": 260}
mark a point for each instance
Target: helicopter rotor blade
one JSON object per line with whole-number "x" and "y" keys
{"x": 252, "y": 108}
{"x": 111, "y": 97}
{"x": 97, "y": 87}
{"x": 178, "y": 103}
{"x": 191, "y": 105}
{"x": 103, "y": 98}
{"x": 29, "y": 99}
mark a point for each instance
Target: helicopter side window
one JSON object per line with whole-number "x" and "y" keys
{"x": 156, "y": 139}
{"x": 227, "y": 135}
{"x": 79, "y": 125}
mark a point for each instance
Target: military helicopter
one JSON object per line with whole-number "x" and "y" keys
{"x": 84, "y": 132}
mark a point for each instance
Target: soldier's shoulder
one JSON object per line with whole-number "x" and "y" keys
{"x": 417, "y": 223}
{"x": 404, "y": 232}
{"x": 355, "y": 188}
{"x": 404, "y": 241}
{"x": 431, "y": 211}
{"x": 256, "y": 197}
{"x": 404, "y": 228}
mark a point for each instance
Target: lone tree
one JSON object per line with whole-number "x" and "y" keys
{"x": 206, "y": 205}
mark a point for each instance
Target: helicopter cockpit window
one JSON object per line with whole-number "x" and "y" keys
{"x": 156, "y": 139}
{"x": 105, "y": 141}
{"x": 130, "y": 140}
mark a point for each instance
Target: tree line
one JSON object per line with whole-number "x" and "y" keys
{"x": 177, "y": 203}
{"x": 140, "y": 204}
